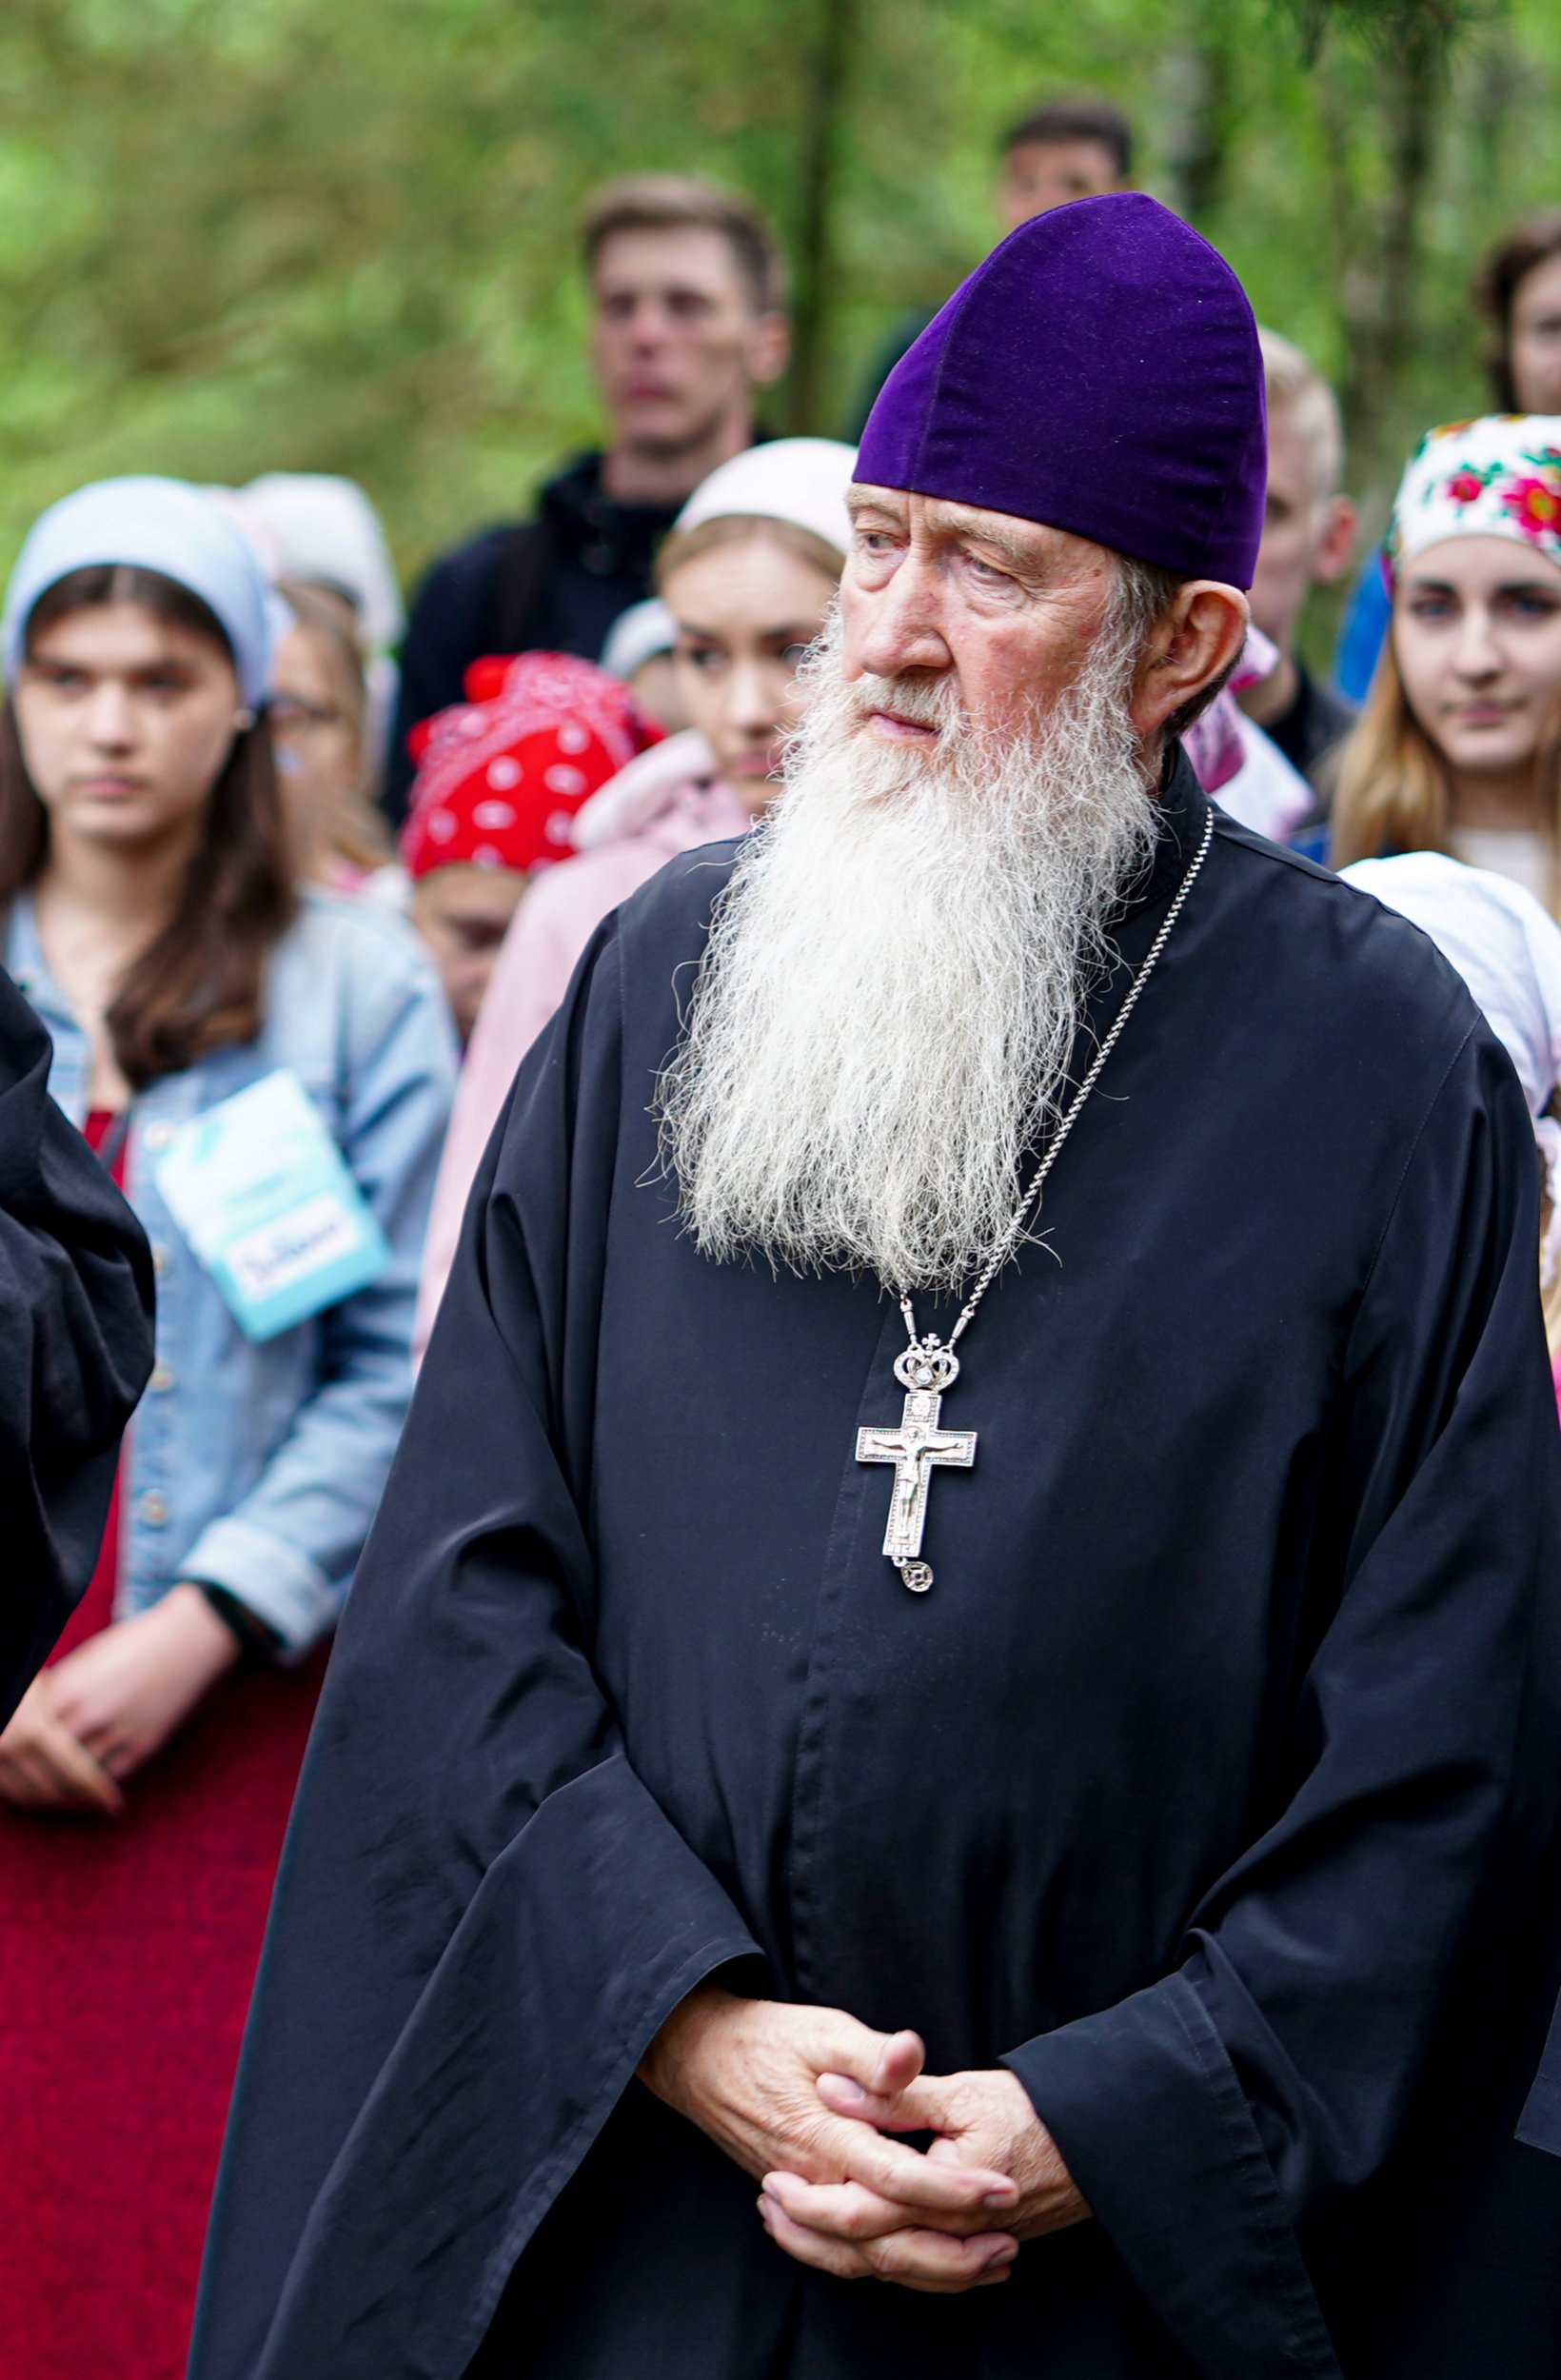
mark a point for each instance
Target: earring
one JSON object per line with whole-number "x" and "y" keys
{"x": 243, "y": 721}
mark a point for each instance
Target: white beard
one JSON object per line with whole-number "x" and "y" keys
{"x": 895, "y": 973}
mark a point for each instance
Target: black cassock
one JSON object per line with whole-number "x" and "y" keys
{"x": 1213, "y": 1785}
{"x": 76, "y": 1349}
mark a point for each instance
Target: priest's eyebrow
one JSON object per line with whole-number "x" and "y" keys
{"x": 860, "y": 505}
{"x": 1012, "y": 548}
{"x": 1017, "y": 552}
{"x": 1012, "y": 551}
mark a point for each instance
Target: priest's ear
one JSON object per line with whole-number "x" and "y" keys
{"x": 1189, "y": 652}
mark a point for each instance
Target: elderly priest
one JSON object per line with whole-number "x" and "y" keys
{"x": 958, "y": 1682}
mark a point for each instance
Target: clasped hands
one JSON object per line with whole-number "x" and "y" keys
{"x": 807, "y": 2100}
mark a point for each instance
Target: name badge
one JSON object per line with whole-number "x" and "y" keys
{"x": 258, "y": 1187}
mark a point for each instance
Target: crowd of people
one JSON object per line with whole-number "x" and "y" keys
{"x": 294, "y": 881}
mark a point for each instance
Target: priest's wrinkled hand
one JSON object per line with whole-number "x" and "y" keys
{"x": 982, "y": 2119}
{"x": 747, "y": 2072}
{"x": 43, "y": 1766}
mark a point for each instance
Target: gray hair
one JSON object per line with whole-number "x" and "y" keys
{"x": 1143, "y": 594}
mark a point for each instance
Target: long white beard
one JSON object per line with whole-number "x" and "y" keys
{"x": 895, "y": 973}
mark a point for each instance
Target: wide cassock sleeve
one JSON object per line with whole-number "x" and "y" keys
{"x": 75, "y": 1314}
{"x": 1207, "y": 2117}
{"x": 482, "y": 1915}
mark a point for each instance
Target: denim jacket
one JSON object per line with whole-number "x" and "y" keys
{"x": 258, "y": 1468}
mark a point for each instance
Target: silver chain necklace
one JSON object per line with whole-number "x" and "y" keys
{"x": 928, "y": 1368}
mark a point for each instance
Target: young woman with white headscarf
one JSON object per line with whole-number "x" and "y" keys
{"x": 1458, "y": 748}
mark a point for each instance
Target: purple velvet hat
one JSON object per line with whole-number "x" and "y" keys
{"x": 1100, "y": 372}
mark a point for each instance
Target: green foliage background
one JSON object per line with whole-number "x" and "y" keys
{"x": 337, "y": 234}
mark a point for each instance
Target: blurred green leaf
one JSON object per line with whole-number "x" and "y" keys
{"x": 245, "y": 234}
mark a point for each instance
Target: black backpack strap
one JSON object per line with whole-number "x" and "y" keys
{"x": 524, "y": 567}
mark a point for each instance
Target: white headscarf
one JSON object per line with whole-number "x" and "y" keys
{"x": 324, "y": 529}
{"x": 314, "y": 526}
{"x": 799, "y": 480}
{"x": 1508, "y": 950}
{"x": 147, "y": 524}
{"x": 637, "y": 636}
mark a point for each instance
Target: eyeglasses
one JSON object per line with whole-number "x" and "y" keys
{"x": 291, "y": 717}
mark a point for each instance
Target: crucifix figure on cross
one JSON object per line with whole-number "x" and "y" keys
{"x": 915, "y": 1449}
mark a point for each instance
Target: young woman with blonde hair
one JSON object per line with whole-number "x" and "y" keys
{"x": 1458, "y": 748}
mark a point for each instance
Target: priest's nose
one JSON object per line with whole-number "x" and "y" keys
{"x": 898, "y": 626}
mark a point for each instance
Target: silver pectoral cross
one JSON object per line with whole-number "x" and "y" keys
{"x": 920, "y": 1444}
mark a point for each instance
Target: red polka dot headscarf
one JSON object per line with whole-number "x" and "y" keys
{"x": 501, "y": 775}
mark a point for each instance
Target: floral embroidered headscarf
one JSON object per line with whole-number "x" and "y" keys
{"x": 1499, "y": 476}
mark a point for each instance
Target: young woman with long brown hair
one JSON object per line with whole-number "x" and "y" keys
{"x": 1458, "y": 748}
{"x": 204, "y": 1014}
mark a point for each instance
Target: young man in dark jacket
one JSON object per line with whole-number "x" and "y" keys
{"x": 687, "y": 322}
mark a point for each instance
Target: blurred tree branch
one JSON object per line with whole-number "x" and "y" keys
{"x": 825, "y": 123}
{"x": 1381, "y": 147}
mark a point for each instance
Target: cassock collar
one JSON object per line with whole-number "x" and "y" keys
{"x": 1184, "y": 806}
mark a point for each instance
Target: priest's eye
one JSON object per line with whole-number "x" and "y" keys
{"x": 707, "y": 658}
{"x": 986, "y": 573}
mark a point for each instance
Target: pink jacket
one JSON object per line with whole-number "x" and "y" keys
{"x": 668, "y": 800}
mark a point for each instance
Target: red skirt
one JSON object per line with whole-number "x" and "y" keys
{"x": 128, "y": 1949}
